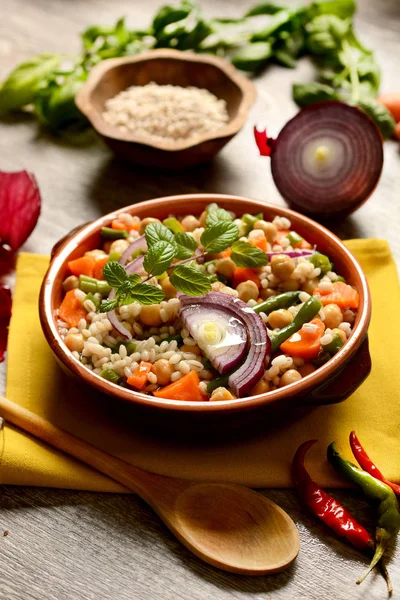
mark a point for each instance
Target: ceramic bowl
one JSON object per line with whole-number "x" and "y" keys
{"x": 110, "y": 77}
{"x": 333, "y": 382}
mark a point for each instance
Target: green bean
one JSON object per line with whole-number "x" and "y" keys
{"x": 335, "y": 345}
{"x": 130, "y": 347}
{"x": 93, "y": 299}
{"x": 294, "y": 238}
{"x": 221, "y": 381}
{"x": 113, "y": 234}
{"x": 321, "y": 359}
{"x": 276, "y": 302}
{"x": 110, "y": 375}
{"x": 388, "y": 524}
{"x": 307, "y": 312}
{"x": 321, "y": 261}
{"x": 103, "y": 287}
{"x": 87, "y": 284}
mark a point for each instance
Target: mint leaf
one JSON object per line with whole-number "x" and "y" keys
{"x": 159, "y": 257}
{"x": 246, "y": 255}
{"x": 186, "y": 240}
{"x": 134, "y": 279}
{"x": 108, "y": 305}
{"x": 219, "y": 237}
{"x": 123, "y": 292}
{"x": 114, "y": 273}
{"x": 190, "y": 281}
{"x": 183, "y": 253}
{"x": 157, "y": 232}
{"x": 146, "y": 294}
{"x": 215, "y": 215}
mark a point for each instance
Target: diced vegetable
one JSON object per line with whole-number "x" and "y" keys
{"x": 392, "y": 102}
{"x": 98, "y": 267}
{"x": 342, "y": 294}
{"x": 276, "y": 302}
{"x": 110, "y": 375}
{"x": 139, "y": 378}
{"x": 82, "y": 266}
{"x": 321, "y": 261}
{"x": 259, "y": 241}
{"x": 108, "y": 233}
{"x": 334, "y": 346}
{"x": 119, "y": 225}
{"x": 173, "y": 224}
{"x": 305, "y": 343}
{"x": 93, "y": 299}
{"x": 186, "y": 388}
{"x": 308, "y": 311}
{"x": 71, "y": 310}
{"x": 294, "y": 239}
{"x": 242, "y": 274}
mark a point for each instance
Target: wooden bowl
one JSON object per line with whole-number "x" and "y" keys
{"x": 110, "y": 77}
{"x": 333, "y": 382}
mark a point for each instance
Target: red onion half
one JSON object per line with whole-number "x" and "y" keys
{"x": 134, "y": 267}
{"x": 259, "y": 346}
{"x": 327, "y": 160}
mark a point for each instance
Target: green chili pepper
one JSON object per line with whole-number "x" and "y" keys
{"x": 321, "y": 261}
{"x": 91, "y": 297}
{"x": 113, "y": 234}
{"x": 173, "y": 224}
{"x": 110, "y": 375}
{"x": 388, "y": 524}
{"x": 335, "y": 345}
{"x": 305, "y": 315}
{"x": 277, "y": 302}
{"x": 221, "y": 381}
{"x": 294, "y": 238}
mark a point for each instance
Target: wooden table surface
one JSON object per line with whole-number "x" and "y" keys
{"x": 83, "y": 546}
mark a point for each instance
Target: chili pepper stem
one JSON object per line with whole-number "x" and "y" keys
{"x": 386, "y": 575}
{"x": 379, "y": 550}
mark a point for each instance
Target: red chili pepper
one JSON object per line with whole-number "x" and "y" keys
{"x": 325, "y": 507}
{"x": 264, "y": 143}
{"x": 366, "y": 463}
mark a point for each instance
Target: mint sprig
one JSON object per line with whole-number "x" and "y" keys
{"x": 190, "y": 281}
{"x": 219, "y": 237}
{"x": 247, "y": 255}
{"x": 127, "y": 288}
{"x": 159, "y": 257}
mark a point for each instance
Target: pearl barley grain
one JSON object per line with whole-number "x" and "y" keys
{"x": 166, "y": 112}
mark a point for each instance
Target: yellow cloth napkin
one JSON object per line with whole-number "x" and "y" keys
{"x": 35, "y": 381}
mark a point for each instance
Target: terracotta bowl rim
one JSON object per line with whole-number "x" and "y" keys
{"x": 323, "y": 373}
{"x": 84, "y": 95}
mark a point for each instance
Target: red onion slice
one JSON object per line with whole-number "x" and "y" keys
{"x": 134, "y": 267}
{"x": 292, "y": 253}
{"x": 242, "y": 380}
{"x": 19, "y": 207}
{"x": 221, "y": 336}
{"x": 328, "y": 159}
{"x": 139, "y": 244}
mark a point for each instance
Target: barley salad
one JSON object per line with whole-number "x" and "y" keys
{"x": 206, "y": 307}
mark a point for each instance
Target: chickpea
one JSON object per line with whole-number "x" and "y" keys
{"x": 260, "y": 388}
{"x": 221, "y": 393}
{"x": 282, "y": 266}
{"x": 280, "y": 318}
{"x": 290, "y": 285}
{"x": 203, "y": 218}
{"x": 268, "y": 228}
{"x": 333, "y": 316}
{"x": 74, "y": 341}
{"x": 306, "y": 369}
{"x": 193, "y": 349}
{"x": 266, "y": 293}
{"x": 225, "y": 266}
{"x": 163, "y": 370}
{"x": 217, "y": 286}
{"x": 119, "y": 246}
{"x": 71, "y": 283}
{"x": 247, "y": 290}
{"x": 150, "y": 315}
{"x": 342, "y": 334}
{"x": 168, "y": 288}
{"x": 146, "y": 222}
{"x": 96, "y": 254}
{"x": 190, "y": 223}
{"x": 310, "y": 285}
{"x": 290, "y": 376}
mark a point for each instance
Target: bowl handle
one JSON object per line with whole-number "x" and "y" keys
{"x": 66, "y": 237}
{"x": 346, "y": 381}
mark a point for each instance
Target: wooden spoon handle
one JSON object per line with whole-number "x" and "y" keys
{"x": 145, "y": 484}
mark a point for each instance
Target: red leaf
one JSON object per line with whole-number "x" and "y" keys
{"x": 19, "y": 207}
{"x": 5, "y": 315}
{"x": 264, "y": 143}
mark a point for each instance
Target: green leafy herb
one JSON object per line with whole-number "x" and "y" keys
{"x": 190, "y": 281}
{"x": 159, "y": 257}
{"x": 253, "y": 56}
{"x": 219, "y": 237}
{"x": 55, "y": 101}
{"x": 146, "y": 294}
{"x": 247, "y": 255}
{"x": 264, "y": 8}
{"x": 186, "y": 245}
{"x": 156, "y": 232}
{"x": 382, "y": 117}
{"x": 215, "y": 215}
{"x": 114, "y": 274}
{"x": 308, "y": 93}
{"x": 108, "y": 305}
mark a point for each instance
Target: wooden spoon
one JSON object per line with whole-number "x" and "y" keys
{"x": 228, "y": 526}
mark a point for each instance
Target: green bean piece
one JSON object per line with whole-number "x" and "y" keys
{"x": 307, "y": 312}
{"x": 388, "y": 524}
{"x": 249, "y": 221}
{"x": 221, "y": 381}
{"x": 91, "y": 297}
{"x": 110, "y": 375}
{"x": 130, "y": 347}
{"x": 294, "y": 238}
{"x": 321, "y": 359}
{"x": 321, "y": 261}
{"x": 108, "y": 233}
{"x": 335, "y": 345}
{"x": 173, "y": 224}
{"x": 103, "y": 287}
{"x": 277, "y": 302}
{"x": 87, "y": 284}
{"x": 114, "y": 256}
{"x": 339, "y": 278}
{"x": 177, "y": 337}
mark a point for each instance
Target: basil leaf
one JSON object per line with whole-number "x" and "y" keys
{"x": 190, "y": 281}
{"x": 247, "y": 255}
{"x": 382, "y": 117}
{"x": 55, "y": 102}
{"x": 108, "y": 305}
{"x": 186, "y": 240}
{"x": 157, "y": 232}
{"x": 147, "y": 294}
{"x": 19, "y": 89}
{"x": 252, "y": 56}
{"x": 219, "y": 237}
{"x": 216, "y": 215}
{"x": 325, "y": 34}
{"x": 308, "y": 93}
{"x": 341, "y": 8}
{"x": 114, "y": 273}
{"x": 264, "y": 8}
{"x": 159, "y": 257}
